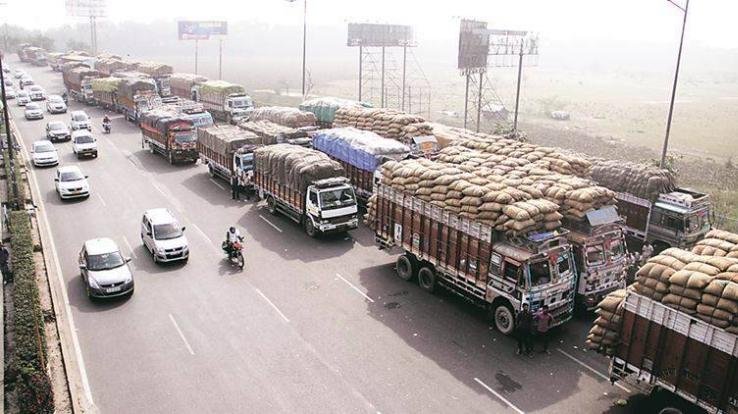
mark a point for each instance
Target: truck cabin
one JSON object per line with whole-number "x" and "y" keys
{"x": 679, "y": 219}
{"x": 181, "y": 132}
{"x": 239, "y": 101}
{"x": 598, "y": 240}
{"x": 243, "y": 159}
{"x": 330, "y": 194}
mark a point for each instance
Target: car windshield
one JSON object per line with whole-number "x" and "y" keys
{"x": 540, "y": 273}
{"x": 167, "y": 231}
{"x": 56, "y": 99}
{"x": 337, "y": 198}
{"x": 23, "y": 94}
{"x": 105, "y": 261}
{"x": 595, "y": 255}
{"x": 31, "y": 106}
{"x": 84, "y": 139}
{"x": 35, "y": 88}
{"x": 56, "y": 126}
{"x": 44, "y": 147}
{"x": 185, "y": 137}
{"x": 79, "y": 117}
{"x": 71, "y": 176}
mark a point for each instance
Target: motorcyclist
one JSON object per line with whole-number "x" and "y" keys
{"x": 232, "y": 236}
{"x": 106, "y": 123}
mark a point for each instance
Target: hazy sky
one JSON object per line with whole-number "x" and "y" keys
{"x": 711, "y": 22}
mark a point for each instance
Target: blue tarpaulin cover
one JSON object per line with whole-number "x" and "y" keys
{"x": 362, "y": 149}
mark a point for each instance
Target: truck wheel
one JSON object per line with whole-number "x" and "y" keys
{"x": 151, "y": 148}
{"x": 171, "y": 158}
{"x": 211, "y": 171}
{"x": 271, "y": 205}
{"x": 503, "y": 318}
{"x": 405, "y": 266}
{"x": 427, "y": 279}
{"x": 310, "y": 228}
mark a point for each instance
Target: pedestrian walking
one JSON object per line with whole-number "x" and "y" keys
{"x": 523, "y": 330}
{"x": 543, "y": 321}
{"x": 235, "y": 190}
{"x": 4, "y": 258}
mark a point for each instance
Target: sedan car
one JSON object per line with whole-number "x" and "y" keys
{"x": 84, "y": 144}
{"x": 104, "y": 270}
{"x": 37, "y": 93}
{"x": 18, "y": 73}
{"x": 57, "y": 131}
{"x": 71, "y": 183}
{"x": 26, "y": 81}
{"x": 55, "y": 105}
{"x": 10, "y": 93}
{"x": 22, "y": 98}
{"x": 34, "y": 111}
{"x": 44, "y": 154}
{"x": 80, "y": 120}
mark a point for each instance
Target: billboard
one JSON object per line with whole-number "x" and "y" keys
{"x": 378, "y": 35}
{"x": 201, "y": 30}
{"x": 473, "y": 45}
{"x": 86, "y": 8}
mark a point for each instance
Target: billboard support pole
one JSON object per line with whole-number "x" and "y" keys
{"x": 361, "y": 68}
{"x": 479, "y": 101}
{"x": 382, "y": 83}
{"x": 517, "y": 93}
{"x": 404, "y": 73}
{"x": 220, "y": 59}
{"x": 196, "y": 42}
{"x": 466, "y": 100}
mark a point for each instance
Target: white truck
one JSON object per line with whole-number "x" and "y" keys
{"x": 227, "y": 151}
{"x": 224, "y": 100}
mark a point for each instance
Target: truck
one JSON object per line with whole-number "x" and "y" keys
{"x": 78, "y": 82}
{"x": 223, "y": 100}
{"x": 666, "y": 351}
{"x": 107, "y": 66}
{"x": 21, "y": 51}
{"x": 105, "y": 92}
{"x": 191, "y": 110}
{"x": 360, "y": 153}
{"x": 135, "y": 95}
{"x": 165, "y": 132}
{"x": 36, "y": 56}
{"x": 488, "y": 268}
{"x": 160, "y": 73}
{"x": 272, "y": 133}
{"x": 325, "y": 108}
{"x": 227, "y": 151}
{"x": 598, "y": 245}
{"x": 306, "y": 186}
{"x": 186, "y": 85}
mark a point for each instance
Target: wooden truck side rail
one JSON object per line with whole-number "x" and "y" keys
{"x": 663, "y": 347}
{"x": 287, "y": 196}
{"x": 222, "y": 160}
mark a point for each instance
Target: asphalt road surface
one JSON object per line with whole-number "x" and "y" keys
{"x": 309, "y": 325}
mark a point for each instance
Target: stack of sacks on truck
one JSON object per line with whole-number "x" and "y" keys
{"x": 640, "y": 180}
{"x": 605, "y": 333}
{"x": 226, "y": 138}
{"x": 324, "y": 108}
{"x": 110, "y": 65}
{"x": 486, "y": 199}
{"x": 270, "y": 132}
{"x": 282, "y": 115}
{"x": 297, "y": 167}
{"x": 575, "y": 196}
{"x": 185, "y": 80}
{"x": 388, "y": 123}
{"x": 703, "y": 286}
{"x": 155, "y": 68}
{"x": 718, "y": 243}
{"x": 448, "y": 135}
{"x": 109, "y": 84}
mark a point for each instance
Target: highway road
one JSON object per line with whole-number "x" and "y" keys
{"x": 310, "y": 325}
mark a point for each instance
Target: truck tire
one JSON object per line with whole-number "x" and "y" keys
{"x": 406, "y": 266}
{"x": 427, "y": 278}
{"x": 503, "y": 317}
{"x": 310, "y": 228}
{"x": 211, "y": 171}
{"x": 151, "y": 148}
{"x": 271, "y": 205}
{"x": 171, "y": 158}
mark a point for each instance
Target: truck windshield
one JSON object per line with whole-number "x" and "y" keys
{"x": 185, "y": 137}
{"x": 540, "y": 273}
{"x": 595, "y": 255}
{"x": 340, "y": 197}
{"x": 617, "y": 249}
{"x": 246, "y": 162}
{"x": 697, "y": 222}
{"x": 240, "y": 103}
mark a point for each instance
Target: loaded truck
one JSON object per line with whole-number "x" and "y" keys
{"x": 105, "y": 92}
{"x": 163, "y": 131}
{"x": 160, "y": 73}
{"x": 224, "y": 100}
{"x": 227, "y": 151}
{"x": 135, "y": 95}
{"x": 189, "y": 110}
{"x": 598, "y": 245}
{"x": 667, "y": 352}
{"x": 360, "y": 153}
{"x": 78, "y": 82}
{"x": 325, "y": 108}
{"x": 186, "y": 85}
{"x": 306, "y": 186}
{"x": 486, "y": 267}
{"x": 35, "y": 56}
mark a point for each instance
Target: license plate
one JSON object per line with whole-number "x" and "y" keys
{"x": 113, "y": 289}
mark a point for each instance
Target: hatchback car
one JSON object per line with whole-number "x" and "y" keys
{"x": 22, "y": 98}
{"x": 80, "y": 120}
{"x": 71, "y": 183}
{"x": 84, "y": 144}
{"x": 37, "y": 93}
{"x": 33, "y": 111}
{"x": 55, "y": 105}
{"x": 25, "y": 81}
{"x": 18, "y": 73}
{"x": 57, "y": 131}
{"x": 163, "y": 236}
{"x": 10, "y": 93}
{"x": 104, "y": 270}
{"x": 44, "y": 154}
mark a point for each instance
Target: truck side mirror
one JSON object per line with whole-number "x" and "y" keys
{"x": 82, "y": 266}
{"x": 183, "y": 228}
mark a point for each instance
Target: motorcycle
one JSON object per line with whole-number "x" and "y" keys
{"x": 106, "y": 127}
{"x": 234, "y": 253}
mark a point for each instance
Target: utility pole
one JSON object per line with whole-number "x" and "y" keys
{"x": 220, "y": 59}
{"x": 196, "y": 41}
{"x": 517, "y": 93}
{"x": 304, "y": 45}
{"x": 404, "y": 64}
{"x": 685, "y": 10}
{"x": 361, "y": 68}
{"x": 479, "y": 101}
{"x": 382, "y": 82}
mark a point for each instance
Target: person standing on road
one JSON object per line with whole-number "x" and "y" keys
{"x": 4, "y": 257}
{"x": 543, "y": 320}
{"x": 523, "y": 330}
{"x": 646, "y": 253}
{"x": 235, "y": 187}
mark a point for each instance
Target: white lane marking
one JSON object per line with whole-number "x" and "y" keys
{"x": 202, "y": 233}
{"x": 181, "y": 335}
{"x": 60, "y": 276}
{"x": 496, "y": 394}
{"x": 159, "y": 189}
{"x": 594, "y": 371}
{"x": 101, "y": 199}
{"x": 218, "y": 184}
{"x": 356, "y": 288}
{"x": 272, "y": 304}
{"x": 270, "y": 223}
{"x": 130, "y": 248}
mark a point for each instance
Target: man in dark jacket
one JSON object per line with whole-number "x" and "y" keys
{"x": 4, "y": 257}
{"x": 523, "y": 330}
{"x": 235, "y": 187}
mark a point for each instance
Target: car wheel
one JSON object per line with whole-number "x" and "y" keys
{"x": 153, "y": 256}
{"x": 88, "y": 292}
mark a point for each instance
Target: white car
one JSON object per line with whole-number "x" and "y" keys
{"x": 84, "y": 144}
{"x": 80, "y": 120}
{"x": 33, "y": 111}
{"x": 8, "y": 83}
{"x": 26, "y": 81}
{"x": 163, "y": 236}
{"x": 36, "y": 93}
{"x": 10, "y": 93}
{"x": 71, "y": 183}
{"x": 44, "y": 154}
{"x": 55, "y": 105}
{"x": 104, "y": 270}
{"x": 22, "y": 98}
{"x": 18, "y": 73}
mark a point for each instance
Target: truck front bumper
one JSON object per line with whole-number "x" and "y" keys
{"x": 327, "y": 227}
{"x": 186, "y": 154}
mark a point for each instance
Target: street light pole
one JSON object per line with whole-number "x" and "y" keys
{"x": 304, "y": 44}
{"x": 685, "y": 10}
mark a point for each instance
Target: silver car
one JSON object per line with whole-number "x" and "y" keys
{"x": 22, "y": 98}
{"x": 104, "y": 270}
{"x": 55, "y": 105}
{"x": 33, "y": 111}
